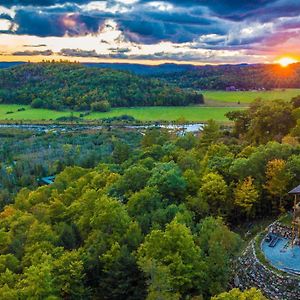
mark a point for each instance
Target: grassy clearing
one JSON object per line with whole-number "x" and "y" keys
{"x": 250, "y": 96}
{"x": 190, "y": 113}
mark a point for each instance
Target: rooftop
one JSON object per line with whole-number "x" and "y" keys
{"x": 295, "y": 191}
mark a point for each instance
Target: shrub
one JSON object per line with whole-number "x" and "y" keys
{"x": 37, "y": 103}
{"x": 101, "y": 106}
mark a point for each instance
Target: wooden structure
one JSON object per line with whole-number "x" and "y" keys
{"x": 296, "y": 214}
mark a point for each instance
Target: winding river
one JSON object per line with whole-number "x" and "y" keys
{"x": 73, "y": 128}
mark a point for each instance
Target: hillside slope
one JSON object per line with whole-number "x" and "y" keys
{"x": 72, "y": 85}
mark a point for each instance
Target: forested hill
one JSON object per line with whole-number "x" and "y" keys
{"x": 73, "y": 85}
{"x": 240, "y": 76}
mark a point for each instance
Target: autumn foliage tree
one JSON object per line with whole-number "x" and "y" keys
{"x": 277, "y": 180}
{"x": 246, "y": 196}
{"x": 236, "y": 294}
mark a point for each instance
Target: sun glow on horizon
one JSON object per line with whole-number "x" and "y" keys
{"x": 286, "y": 61}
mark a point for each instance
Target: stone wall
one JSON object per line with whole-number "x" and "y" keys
{"x": 250, "y": 272}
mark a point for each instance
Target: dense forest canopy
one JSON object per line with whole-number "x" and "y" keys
{"x": 239, "y": 76}
{"x": 141, "y": 216}
{"x": 72, "y": 85}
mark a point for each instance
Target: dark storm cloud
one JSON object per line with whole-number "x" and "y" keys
{"x": 45, "y": 24}
{"x": 140, "y": 24}
{"x": 10, "y": 3}
{"x": 231, "y": 9}
{"x": 227, "y": 9}
{"x": 38, "y": 23}
{"x": 149, "y": 25}
{"x": 239, "y": 10}
{"x": 219, "y": 6}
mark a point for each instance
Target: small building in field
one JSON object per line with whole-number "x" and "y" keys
{"x": 231, "y": 88}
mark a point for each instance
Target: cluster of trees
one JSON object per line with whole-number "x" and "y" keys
{"x": 72, "y": 85}
{"x": 268, "y": 121}
{"x": 240, "y": 76}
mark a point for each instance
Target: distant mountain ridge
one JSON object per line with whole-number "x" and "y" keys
{"x": 144, "y": 69}
{"x": 7, "y": 64}
{"x": 140, "y": 69}
{"x": 208, "y": 77}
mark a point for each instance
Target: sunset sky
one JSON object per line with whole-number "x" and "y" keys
{"x": 199, "y": 32}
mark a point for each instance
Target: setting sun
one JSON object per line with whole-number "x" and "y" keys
{"x": 285, "y": 61}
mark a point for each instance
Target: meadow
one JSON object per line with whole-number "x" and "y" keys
{"x": 189, "y": 113}
{"x": 249, "y": 96}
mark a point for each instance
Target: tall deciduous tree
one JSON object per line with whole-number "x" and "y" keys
{"x": 210, "y": 134}
{"x": 219, "y": 246}
{"x": 245, "y": 196}
{"x": 214, "y": 191}
{"x": 277, "y": 179}
{"x": 168, "y": 179}
{"x": 175, "y": 254}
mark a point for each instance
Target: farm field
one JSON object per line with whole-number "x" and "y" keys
{"x": 189, "y": 113}
{"x": 250, "y": 96}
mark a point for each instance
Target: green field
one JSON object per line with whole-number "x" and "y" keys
{"x": 190, "y": 113}
{"x": 250, "y": 96}
{"x": 29, "y": 113}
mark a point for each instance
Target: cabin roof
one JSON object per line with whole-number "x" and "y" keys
{"x": 295, "y": 191}
{"x": 48, "y": 180}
